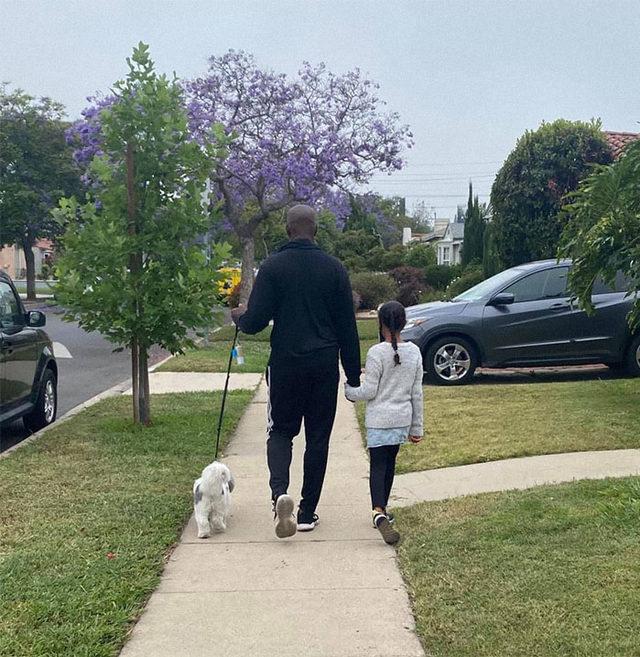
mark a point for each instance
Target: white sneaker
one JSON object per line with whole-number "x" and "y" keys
{"x": 309, "y": 526}
{"x": 286, "y": 524}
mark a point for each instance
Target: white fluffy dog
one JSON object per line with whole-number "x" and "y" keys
{"x": 212, "y": 499}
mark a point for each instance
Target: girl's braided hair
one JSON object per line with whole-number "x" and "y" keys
{"x": 392, "y": 315}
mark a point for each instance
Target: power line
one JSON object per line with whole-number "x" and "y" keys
{"x": 464, "y": 196}
{"x": 438, "y": 175}
{"x": 422, "y": 181}
{"x": 451, "y": 164}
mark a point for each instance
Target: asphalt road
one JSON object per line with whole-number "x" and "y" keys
{"x": 87, "y": 366}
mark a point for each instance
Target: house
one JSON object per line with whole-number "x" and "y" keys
{"x": 439, "y": 228}
{"x": 449, "y": 246}
{"x": 12, "y": 258}
{"x": 618, "y": 141}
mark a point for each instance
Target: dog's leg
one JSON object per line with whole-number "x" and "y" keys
{"x": 218, "y": 522}
{"x": 201, "y": 513}
{"x": 202, "y": 520}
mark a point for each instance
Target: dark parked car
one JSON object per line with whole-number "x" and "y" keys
{"x": 523, "y": 317}
{"x": 28, "y": 369}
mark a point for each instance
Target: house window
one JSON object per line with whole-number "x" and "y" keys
{"x": 446, "y": 255}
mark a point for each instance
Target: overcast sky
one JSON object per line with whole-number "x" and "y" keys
{"x": 469, "y": 77}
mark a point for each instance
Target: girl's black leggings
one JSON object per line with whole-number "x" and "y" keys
{"x": 381, "y": 470}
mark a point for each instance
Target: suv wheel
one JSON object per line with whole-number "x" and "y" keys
{"x": 46, "y": 407}
{"x": 450, "y": 362}
{"x": 632, "y": 360}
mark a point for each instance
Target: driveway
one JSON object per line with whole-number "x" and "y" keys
{"x": 86, "y": 363}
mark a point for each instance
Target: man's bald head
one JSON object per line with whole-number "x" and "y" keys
{"x": 302, "y": 222}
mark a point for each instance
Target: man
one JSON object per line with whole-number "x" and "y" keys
{"x": 308, "y": 296}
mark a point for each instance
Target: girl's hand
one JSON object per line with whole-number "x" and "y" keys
{"x": 415, "y": 439}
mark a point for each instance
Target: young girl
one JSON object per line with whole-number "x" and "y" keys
{"x": 392, "y": 388}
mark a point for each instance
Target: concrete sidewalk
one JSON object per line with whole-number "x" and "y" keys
{"x": 512, "y": 474}
{"x": 335, "y": 591}
{"x": 164, "y": 382}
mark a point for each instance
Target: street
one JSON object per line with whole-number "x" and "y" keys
{"x": 87, "y": 366}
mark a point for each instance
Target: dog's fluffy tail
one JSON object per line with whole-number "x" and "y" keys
{"x": 217, "y": 475}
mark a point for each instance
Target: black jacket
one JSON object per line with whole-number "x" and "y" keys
{"x": 308, "y": 295}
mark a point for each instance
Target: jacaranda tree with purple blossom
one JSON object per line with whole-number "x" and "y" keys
{"x": 302, "y": 139}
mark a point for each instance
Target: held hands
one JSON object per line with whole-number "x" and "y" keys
{"x": 415, "y": 439}
{"x": 346, "y": 393}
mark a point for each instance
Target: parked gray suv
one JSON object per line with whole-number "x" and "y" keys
{"x": 28, "y": 369}
{"x": 523, "y": 317}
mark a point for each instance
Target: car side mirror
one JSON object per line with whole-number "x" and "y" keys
{"x": 36, "y": 319}
{"x": 502, "y": 299}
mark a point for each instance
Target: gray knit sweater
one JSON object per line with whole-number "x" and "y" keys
{"x": 393, "y": 392}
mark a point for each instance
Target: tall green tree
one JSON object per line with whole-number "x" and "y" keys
{"x": 130, "y": 267}
{"x": 474, "y": 226}
{"x": 36, "y": 169}
{"x": 530, "y": 188}
{"x": 490, "y": 259}
{"x": 602, "y": 232}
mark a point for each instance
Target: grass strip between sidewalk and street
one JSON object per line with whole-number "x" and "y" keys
{"x": 548, "y": 572}
{"x": 488, "y": 422}
{"x": 88, "y": 514}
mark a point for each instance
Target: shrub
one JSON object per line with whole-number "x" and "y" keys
{"x": 439, "y": 276}
{"x": 470, "y": 277}
{"x": 353, "y": 247}
{"x": 430, "y": 295}
{"x": 373, "y": 289}
{"x": 410, "y": 282}
{"x": 532, "y": 186}
{"x": 381, "y": 259}
{"x": 420, "y": 255}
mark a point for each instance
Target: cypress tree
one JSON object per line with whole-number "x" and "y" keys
{"x": 469, "y": 229}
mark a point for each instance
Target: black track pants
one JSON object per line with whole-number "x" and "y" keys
{"x": 309, "y": 394}
{"x": 381, "y": 471}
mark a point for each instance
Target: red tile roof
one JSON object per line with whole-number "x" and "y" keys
{"x": 619, "y": 140}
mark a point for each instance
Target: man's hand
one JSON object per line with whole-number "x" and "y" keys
{"x": 415, "y": 439}
{"x": 236, "y": 313}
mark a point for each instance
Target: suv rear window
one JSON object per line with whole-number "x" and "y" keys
{"x": 621, "y": 284}
{"x": 546, "y": 284}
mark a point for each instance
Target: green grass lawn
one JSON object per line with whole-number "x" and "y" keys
{"x": 367, "y": 330}
{"x": 476, "y": 423}
{"x": 549, "y": 572}
{"x": 215, "y": 356}
{"x": 88, "y": 514}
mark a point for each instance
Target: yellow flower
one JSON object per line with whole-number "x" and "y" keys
{"x": 230, "y": 277}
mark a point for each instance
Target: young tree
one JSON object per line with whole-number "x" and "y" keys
{"x": 296, "y": 140}
{"x": 531, "y": 186}
{"x": 130, "y": 267}
{"x": 36, "y": 169}
{"x": 602, "y": 232}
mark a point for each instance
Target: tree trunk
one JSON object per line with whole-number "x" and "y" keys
{"x": 248, "y": 264}
{"x": 30, "y": 261}
{"x": 135, "y": 379}
{"x": 143, "y": 381}
{"x": 139, "y": 359}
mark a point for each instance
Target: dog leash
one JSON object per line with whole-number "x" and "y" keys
{"x": 226, "y": 388}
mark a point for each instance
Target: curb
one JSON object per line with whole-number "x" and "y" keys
{"x": 114, "y": 391}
